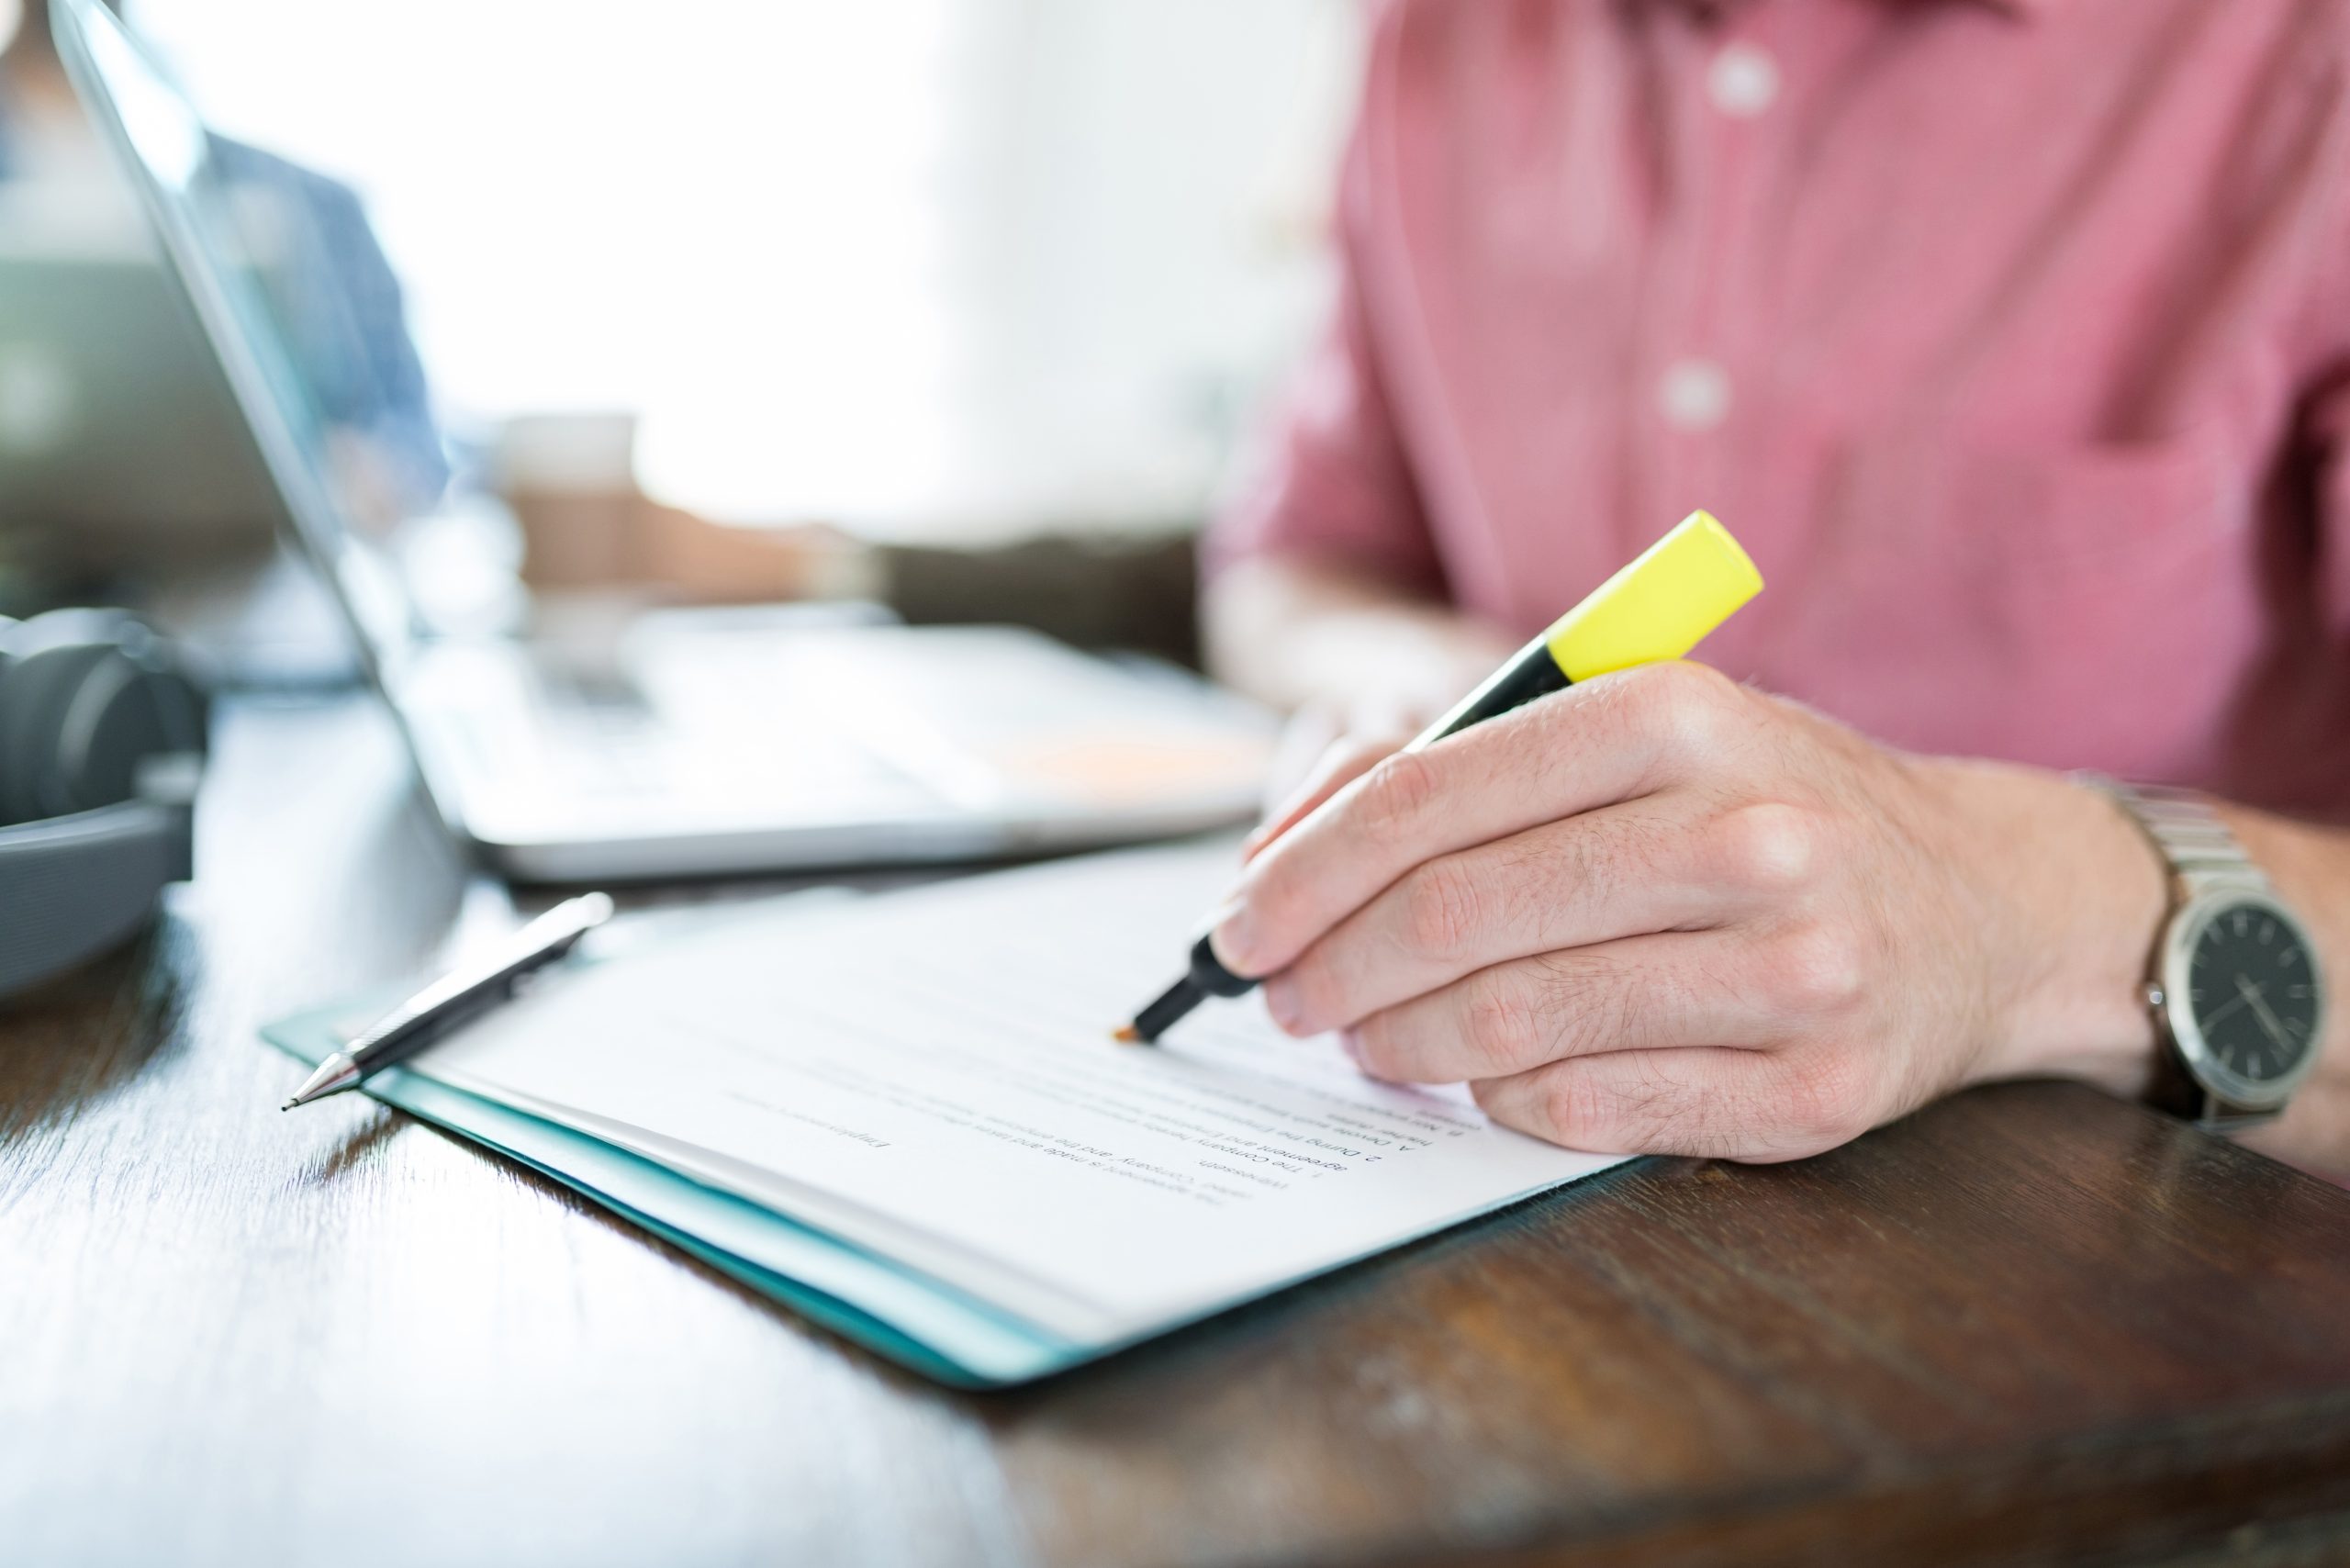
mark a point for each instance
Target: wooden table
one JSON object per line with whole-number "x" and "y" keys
{"x": 2029, "y": 1325}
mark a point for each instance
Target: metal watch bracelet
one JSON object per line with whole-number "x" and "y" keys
{"x": 2202, "y": 853}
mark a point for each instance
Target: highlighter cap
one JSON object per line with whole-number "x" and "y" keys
{"x": 1660, "y": 606}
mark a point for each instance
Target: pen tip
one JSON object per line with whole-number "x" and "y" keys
{"x": 289, "y": 1104}
{"x": 1126, "y": 1034}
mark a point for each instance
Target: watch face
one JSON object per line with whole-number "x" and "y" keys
{"x": 2247, "y": 1020}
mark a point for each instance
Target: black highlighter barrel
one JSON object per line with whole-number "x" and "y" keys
{"x": 1206, "y": 977}
{"x": 1532, "y": 674}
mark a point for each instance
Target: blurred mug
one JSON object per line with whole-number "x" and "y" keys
{"x": 571, "y": 481}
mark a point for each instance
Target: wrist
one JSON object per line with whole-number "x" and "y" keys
{"x": 838, "y": 568}
{"x": 2076, "y": 902}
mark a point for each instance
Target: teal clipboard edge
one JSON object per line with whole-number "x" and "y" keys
{"x": 922, "y": 1324}
{"x": 918, "y": 1323}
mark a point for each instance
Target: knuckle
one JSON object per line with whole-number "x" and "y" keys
{"x": 1500, "y": 1026}
{"x": 1828, "y": 1102}
{"x": 1397, "y": 795}
{"x": 1635, "y": 1113}
{"x": 1816, "y": 968}
{"x": 1574, "y": 1113}
{"x": 1441, "y": 909}
{"x": 1690, "y": 707}
{"x": 1768, "y": 846}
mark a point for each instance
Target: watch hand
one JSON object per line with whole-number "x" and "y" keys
{"x": 2206, "y": 1020}
{"x": 2268, "y": 1019}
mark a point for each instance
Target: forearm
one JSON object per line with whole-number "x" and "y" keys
{"x": 1293, "y": 630}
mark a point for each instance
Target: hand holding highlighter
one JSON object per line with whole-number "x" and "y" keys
{"x": 1659, "y": 607}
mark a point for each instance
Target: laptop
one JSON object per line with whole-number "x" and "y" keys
{"x": 698, "y": 742}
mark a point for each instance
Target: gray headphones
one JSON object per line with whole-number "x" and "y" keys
{"x": 102, "y": 741}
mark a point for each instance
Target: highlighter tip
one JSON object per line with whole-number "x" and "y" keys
{"x": 1126, "y": 1034}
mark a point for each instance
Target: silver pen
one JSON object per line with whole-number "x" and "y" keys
{"x": 456, "y": 998}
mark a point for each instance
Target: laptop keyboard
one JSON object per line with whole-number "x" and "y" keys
{"x": 856, "y": 726}
{"x": 574, "y": 689}
{"x": 718, "y": 720}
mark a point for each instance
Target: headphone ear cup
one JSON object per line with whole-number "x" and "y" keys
{"x": 34, "y": 691}
{"x": 157, "y": 710}
{"x": 78, "y": 719}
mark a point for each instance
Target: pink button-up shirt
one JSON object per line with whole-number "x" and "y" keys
{"x": 2012, "y": 337}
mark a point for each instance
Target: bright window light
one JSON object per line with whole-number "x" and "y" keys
{"x": 887, "y": 260}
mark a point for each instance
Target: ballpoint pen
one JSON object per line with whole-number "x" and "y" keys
{"x": 456, "y": 998}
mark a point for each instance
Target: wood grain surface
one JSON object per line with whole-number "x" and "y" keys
{"x": 2029, "y": 1325}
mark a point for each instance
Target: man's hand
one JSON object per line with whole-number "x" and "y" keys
{"x": 1663, "y": 912}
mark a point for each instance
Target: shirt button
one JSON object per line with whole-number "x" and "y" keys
{"x": 1694, "y": 395}
{"x": 1744, "y": 81}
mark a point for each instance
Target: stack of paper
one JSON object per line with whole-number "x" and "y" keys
{"x": 905, "y": 1116}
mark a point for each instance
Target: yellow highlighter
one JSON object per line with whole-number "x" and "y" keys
{"x": 1658, "y": 608}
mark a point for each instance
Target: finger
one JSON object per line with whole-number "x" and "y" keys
{"x": 1727, "y": 1104}
{"x": 1340, "y": 764}
{"x": 1593, "y": 744}
{"x": 1658, "y": 863}
{"x": 1651, "y": 992}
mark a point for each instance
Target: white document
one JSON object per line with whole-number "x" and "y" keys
{"x": 929, "y": 1075}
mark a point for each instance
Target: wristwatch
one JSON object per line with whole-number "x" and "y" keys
{"x": 2238, "y": 1002}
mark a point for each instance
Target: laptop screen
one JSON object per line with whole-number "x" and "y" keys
{"x": 234, "y": 241}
